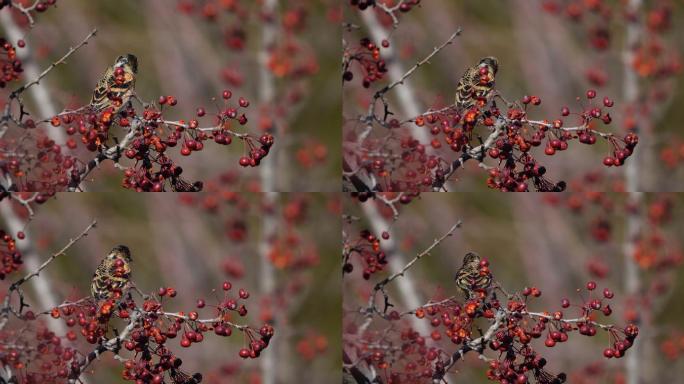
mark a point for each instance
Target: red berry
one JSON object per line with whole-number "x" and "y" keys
{"x": 608, "y": 352}
{"x": 591, "y": 94}
{"x": 243, "y": 293}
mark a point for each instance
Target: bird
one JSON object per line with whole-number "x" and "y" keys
{"x": 116, "y": 86}
{"x": 113, "y": 274}
{"x": 476, "y": 83}
{"x": 470, "y": 278}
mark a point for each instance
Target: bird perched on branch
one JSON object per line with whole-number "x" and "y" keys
{"x": 112, "y": 275}
{"x": 471, "y": 277}
{"x": 476, "y": 83}
{"x": 116, "y": 86}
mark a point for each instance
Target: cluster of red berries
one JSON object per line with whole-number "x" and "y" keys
{"x": 408, "y": 360}
{"x": 515, "y": 369}
{"x": 10, "y": 65}
{"x": 517, "y": 166}
{"x": 38, "y": 356}
{"x": 411, "y": 170}
{"x": 154, "y": 328}
{"x": 154, "y": 169}
{"x": 369, "y": 252}
{"x": 10, "y": 256}
{"x": 515, "y": 358}
{"x": 367, "y": 55}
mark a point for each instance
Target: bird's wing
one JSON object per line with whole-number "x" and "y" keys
{"x": 464, "y": 89}
{"x": 100, "y": 99}
{"x": 99, "y": 281}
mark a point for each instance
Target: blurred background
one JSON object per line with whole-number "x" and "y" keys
{"x": 194, "y": 242}
{"x": 554, "y": 49}
{"x": 193, "y": 50}
{"x": 556, "y": 244}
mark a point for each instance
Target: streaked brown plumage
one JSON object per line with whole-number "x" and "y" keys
{"x": 469, "y": 279}
{"x": 112, "y": 91}
{"x": 476, "y": 83}
{"x": 112, "y": 275}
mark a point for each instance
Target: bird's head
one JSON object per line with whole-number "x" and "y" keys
{"x": 120, "y": 252}
{"x": 491, "y": 62}
{"x": 127, "y": 60}
{"x": 471, "y": 258}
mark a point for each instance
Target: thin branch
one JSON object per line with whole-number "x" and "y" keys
{"x": 35, "y": 81}
{"x": 381, "y": 285}
{"x": 6, "y": 308}
{"x": 410, "y": 72}
{"x": 53, "y": 257}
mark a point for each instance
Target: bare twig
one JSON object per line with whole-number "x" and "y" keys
{"x": 52, "y": 66}
{"x": 406, "y": 285}
{"x": 6, "y": 308}
{"x": 381, "y": 285}
{"x": 54, "y": 256}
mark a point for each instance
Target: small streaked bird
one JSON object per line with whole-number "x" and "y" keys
{"x": 112, "y": 275}
{"x": 469, "y": 278}
{"x": 476, "y": 83}
{"x": 116, "y": 86}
